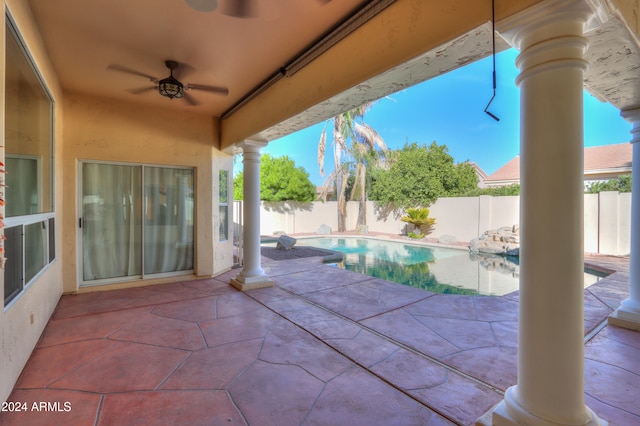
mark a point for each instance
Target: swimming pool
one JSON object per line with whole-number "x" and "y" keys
{"x": 436, "y": 269}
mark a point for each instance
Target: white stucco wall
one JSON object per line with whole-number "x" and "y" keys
{"x": 591, "y": 218}
{"x": 607, "y": 218}
{"x": 614, "y": 221}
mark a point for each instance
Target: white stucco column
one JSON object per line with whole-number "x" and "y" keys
{"x": 252, "y": 275}
{"x": 550, "y": 386}
{"x": 628, "y": 314}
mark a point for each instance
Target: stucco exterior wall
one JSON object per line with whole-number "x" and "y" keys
{"x": 294, "y": 217}
{"x": 607, "y": 218}
{"x": 614, "y": 221}
{"x": 88, "y": 128}
{"x": 102, "y": 129}
{"x": 22, "y": 322}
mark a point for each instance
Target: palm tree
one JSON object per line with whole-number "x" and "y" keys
{"x": 349, "y": 127}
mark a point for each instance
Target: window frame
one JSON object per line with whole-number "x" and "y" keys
{"x": 223, "y": 205}
{"x": 46, "y": 218}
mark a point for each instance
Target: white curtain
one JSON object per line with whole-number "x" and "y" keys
{"x": 112, "y": 231}
{"x": 168, "y": 231}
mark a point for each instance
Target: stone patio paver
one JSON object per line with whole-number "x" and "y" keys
{"x": 322, "y": 347}
{"x": 367, "y": 299}
{"x": 354, "y": 399}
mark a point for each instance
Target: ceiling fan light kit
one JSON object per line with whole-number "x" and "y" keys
{"x": 170, "y": 86}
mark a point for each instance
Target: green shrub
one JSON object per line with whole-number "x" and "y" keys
{"x": 419, "y": 217}
{"x": 498, "y": 191}
{"x": 415, "y": 236}
{"x": 622, "y": 184}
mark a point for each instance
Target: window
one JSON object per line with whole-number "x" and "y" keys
{"x": 29, "y": 207}
{"x": 223, "y": 202}
{"x": 13, "y": 271}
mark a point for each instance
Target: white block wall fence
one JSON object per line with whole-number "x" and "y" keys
{"x": 607, "y": 218}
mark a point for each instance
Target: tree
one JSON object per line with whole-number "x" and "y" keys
{"x": 355, "y": 146}
{"x": 621, "y": 184}
{"x": 497, "y": 191}
{"x": 280, "y": 180}
{"x": 419, "y": 174}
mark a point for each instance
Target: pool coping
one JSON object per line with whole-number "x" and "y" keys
{"x": 461, "y": 245}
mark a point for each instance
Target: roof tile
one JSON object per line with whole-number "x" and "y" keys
{"x": 595, "y": 158}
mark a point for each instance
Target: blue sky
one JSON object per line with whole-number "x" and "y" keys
{"x": 449, "y": 110}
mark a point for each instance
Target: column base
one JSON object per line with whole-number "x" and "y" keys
{"x": 509, "y": 412}
{"x": 251, "y": 283}
{"x": 625, "y": 318}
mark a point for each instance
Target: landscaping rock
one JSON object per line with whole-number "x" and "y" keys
{"x": 285, "y": 242}
{"x": 502, "y": 241}
{"x": 324, "y": 230}
{"x": 501, "y": 264}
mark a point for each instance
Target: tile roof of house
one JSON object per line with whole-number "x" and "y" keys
{"x": 482, "y": 175}
{"x": 608, "y": 157}
{"x": 596, "y": 158}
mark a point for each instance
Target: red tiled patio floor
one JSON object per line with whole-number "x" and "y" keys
{"x": 323, "y": 347}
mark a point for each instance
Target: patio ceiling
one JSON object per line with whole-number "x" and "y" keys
{"x": 409, "y": 42}
{"x": 85, "y": 39}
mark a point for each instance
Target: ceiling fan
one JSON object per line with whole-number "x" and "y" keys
{"x": 170, "y": 86}
{"x": 236, "y": 8}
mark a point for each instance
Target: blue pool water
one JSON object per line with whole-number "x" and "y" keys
{"x": 436, "y": 269}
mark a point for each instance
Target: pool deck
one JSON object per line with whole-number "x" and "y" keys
{"x": 323, "y": 347}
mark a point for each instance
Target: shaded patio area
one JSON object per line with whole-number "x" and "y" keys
{"x": 323, "y": 347}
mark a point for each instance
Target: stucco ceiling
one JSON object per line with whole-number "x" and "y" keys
{"x": 89, "y": 41}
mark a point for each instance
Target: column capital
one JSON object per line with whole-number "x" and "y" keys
{"x": 633, "y": 116}
{"x": 544, "y": 17}
{"x": 253, "y": 145}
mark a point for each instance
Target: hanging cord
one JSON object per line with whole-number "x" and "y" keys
{"x": 493, "y": 33}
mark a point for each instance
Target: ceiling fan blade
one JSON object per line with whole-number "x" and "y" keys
{"x": 142, "y": 90}
{"x": 214, "y": 89}
{"x": 190, "y": 99}
{"x": 120, "y": 68}
{"x": 240, "y": 8}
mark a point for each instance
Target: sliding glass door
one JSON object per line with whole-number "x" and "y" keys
{"x": 136, "y": 220}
